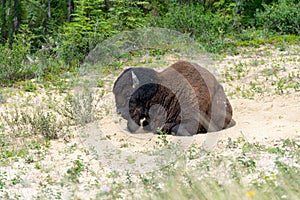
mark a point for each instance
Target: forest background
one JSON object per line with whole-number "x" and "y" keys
{"x": 47, "y": 38}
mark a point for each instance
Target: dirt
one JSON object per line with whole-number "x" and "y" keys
{"x": 265, "y": 111}
{"x": 265, "y": 116}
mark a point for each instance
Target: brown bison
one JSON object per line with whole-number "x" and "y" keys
{"x": 184, "y": 99}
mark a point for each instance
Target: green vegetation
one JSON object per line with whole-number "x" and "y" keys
{"x": 49, "y": 38}
{"x": 75, "y": 171}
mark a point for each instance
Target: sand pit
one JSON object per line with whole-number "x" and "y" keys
{"x": 262, "y": 114}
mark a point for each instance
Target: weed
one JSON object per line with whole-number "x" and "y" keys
{"x": 80, "y": 108}
{"x": 231, "y": 144}
{"x": 2, "y": 97}
{"x": 247, "y": 93}
{"x": 130, "y": 160}
{"x": 75, "y": 171}
{"x": 28, "y": 86}
{"x": 193, "y": 152}
{"x": 43, "y": 123}
{"x": 162, "y": 139}
{"x": 100, "y": 83}
{"x": 16, "y": 180}
{"x": 12, "y": 57}
{"x": 247, "y": 162}
{"x": 124, "y": 145}
{"x": 129, "y": 178}
{"x": 254, "y": 86}
{"x": 3, "y": 179}
{"x": 29, "y": 159}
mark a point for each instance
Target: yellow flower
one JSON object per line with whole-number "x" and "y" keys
{"x": 267, "y": 178}
{"x": 273, "y": 176}
{"x": 250, "y": 193}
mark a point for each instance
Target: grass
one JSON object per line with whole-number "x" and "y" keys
{"x": 235, "y": 177}
{"x": 260, "y": 72}
{"x": 42, "y": 157}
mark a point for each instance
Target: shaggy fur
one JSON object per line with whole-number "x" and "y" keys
{"x": 123, "y": 87}
{"x": 184, "y": 99}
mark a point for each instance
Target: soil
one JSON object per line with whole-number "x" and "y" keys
{"x": 266, "y": 116}
{"x": 262, "y": 86}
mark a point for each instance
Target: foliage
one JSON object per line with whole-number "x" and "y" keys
{"x": 248, "y": 8}
{"x": 22, "y": 124}
{"x": 10, "y": 13}
{"x": 127, "y": 14}
{"x": 46, "y": 38}
{"x": 283, "y": 17}
{"x": 90, "y": 25}
{"x": 193, "y": 19}
{"x": 13, "y": 60}
{"x": 77, "y": 37}
{"x": 80, "y": 107}
{"x": 75, "y": 171}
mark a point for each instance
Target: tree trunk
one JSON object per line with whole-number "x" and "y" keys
{"x": 49, "y": 9}
{"x": 70, "y": 10}
{"x": 106, "y": 5}
{"x": 16, "y": 16}
{"x": 3, "y": 27}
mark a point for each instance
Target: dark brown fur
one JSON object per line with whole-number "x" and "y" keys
{"x": 184, "y": 99}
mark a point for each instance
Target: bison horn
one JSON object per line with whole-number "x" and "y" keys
{"x": 135, "y": 80}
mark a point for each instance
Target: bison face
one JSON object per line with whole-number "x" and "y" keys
{"x": 139, "y": 104}
{"x": 127, "y": 84}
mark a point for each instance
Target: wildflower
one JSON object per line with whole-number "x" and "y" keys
{"x": 284, "y": 196}
{"x": 105, "y": 189}
{"x": 250, "y": 194}
{"x": 267, "y": 178}
{"x": 273, "y": 176}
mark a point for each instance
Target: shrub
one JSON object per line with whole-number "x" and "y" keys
{"x": 39, "y": 122}
{"x": 208, "y": 27}
{"x": 283, "y": 17}
{"x": 90, "y": 25}
{"x": 12, "y": 61}
{"x": 80, "y": 107}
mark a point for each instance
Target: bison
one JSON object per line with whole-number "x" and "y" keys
{"x": 184, "y": 99}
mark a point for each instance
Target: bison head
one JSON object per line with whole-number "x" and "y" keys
{"x": 127, "y": 84}
{"x": 139, "y": 106}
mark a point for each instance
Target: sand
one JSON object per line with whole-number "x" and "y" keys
{"x": 262, "y": 86}
{"x": 266, "y": 116}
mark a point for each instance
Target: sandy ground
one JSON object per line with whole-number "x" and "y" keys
{"x": 266, "y": 120}
{"x": 265, "y": 117}
{"x": 262, "y": 113}
{"x": 270, "y": 118}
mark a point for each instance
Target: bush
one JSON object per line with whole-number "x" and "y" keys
{"x": 283, "y": 17}
{"x": 39, "y": 122}
{"x": 79, "y": 108}
{"x": 209, "y": 28}
{"x": 91, "y": 26}
{"x": 12, "y": 61}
